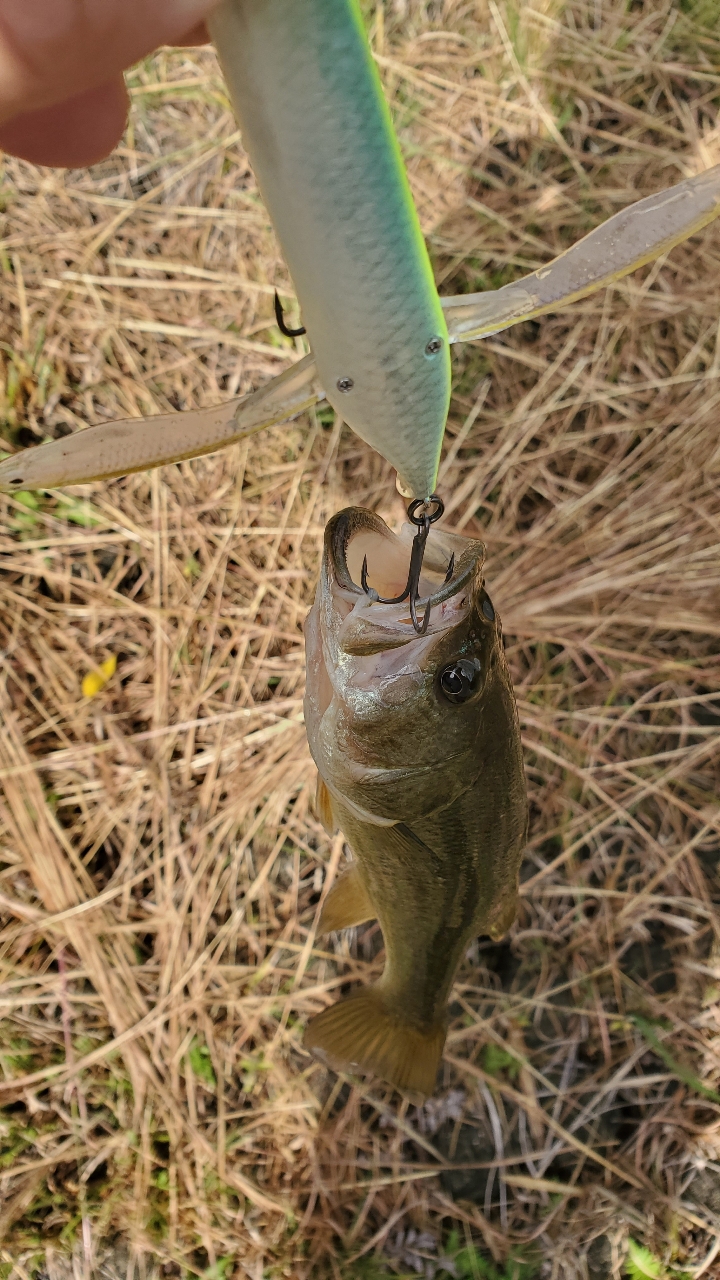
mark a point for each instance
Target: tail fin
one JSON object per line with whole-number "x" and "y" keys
{"x": 361, "y": 1033}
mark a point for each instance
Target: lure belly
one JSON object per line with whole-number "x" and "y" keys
{"x": 319, "y": 137}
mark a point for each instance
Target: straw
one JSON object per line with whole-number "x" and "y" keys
{"x": 187, "y": 1133}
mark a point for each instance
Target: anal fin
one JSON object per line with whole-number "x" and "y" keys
{"x": 347, "y": 903}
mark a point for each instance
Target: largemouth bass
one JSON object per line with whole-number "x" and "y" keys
{"x": 417, "y": 745}
{"x": 320, "y": 140}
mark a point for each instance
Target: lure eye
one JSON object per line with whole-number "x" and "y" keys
{"x": 459, "y": 680}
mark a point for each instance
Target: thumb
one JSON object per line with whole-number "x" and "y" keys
{"x": 53, "y": 50}
{"x": 72, "y": 134}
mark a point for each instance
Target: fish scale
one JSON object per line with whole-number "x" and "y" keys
{"x": 320, "y": 141}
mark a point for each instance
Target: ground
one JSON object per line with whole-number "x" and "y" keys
{"x": 161, "y": 862}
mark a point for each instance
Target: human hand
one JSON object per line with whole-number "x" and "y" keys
{"x": 62, "y": 95}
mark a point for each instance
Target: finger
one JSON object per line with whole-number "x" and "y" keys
{"x": 52, "y": 48}
{"x": 71, "y": 134}
{"x": 198, "y": 35}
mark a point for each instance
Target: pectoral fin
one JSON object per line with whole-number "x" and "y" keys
{"x": 323, "y": 807}
{"x": 347, "y": 903}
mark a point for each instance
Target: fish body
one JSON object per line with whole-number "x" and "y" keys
{"x": 417, "y": 745}
{"x": 319, "y": 137}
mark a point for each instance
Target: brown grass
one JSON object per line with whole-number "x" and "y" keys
{"x": 161, "y": 862}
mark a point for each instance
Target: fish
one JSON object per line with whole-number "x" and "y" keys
{"x": 417, "y": 745}
{"x": 320, "y": 140}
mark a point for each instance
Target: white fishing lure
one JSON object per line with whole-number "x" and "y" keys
{"x": 319, "y": 137}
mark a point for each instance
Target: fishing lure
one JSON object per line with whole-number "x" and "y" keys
{"x": 320, "y": 141}
{"x": 630, "y": 239}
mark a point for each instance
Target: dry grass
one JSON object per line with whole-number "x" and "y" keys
{"x": 161, "y": 863}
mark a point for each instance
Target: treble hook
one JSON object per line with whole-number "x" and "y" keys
{"x": 417, "y": 555}
{"x": 280, "y": 317}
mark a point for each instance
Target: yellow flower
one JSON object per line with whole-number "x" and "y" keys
{"x": 95, "y": 681}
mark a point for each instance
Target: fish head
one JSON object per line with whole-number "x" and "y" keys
{"x": 393, "y": 717}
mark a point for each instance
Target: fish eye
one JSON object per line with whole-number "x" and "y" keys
{"x": 459, "y": 680}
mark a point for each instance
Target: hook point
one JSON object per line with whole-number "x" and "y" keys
{"x": 280, "y": 318}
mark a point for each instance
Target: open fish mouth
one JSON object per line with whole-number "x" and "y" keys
{"x": 369, "y": 560}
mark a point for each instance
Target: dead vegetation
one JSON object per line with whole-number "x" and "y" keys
{"x": 161, "y": 862}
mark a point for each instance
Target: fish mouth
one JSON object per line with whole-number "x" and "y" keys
{"x": 368, "y": 559}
